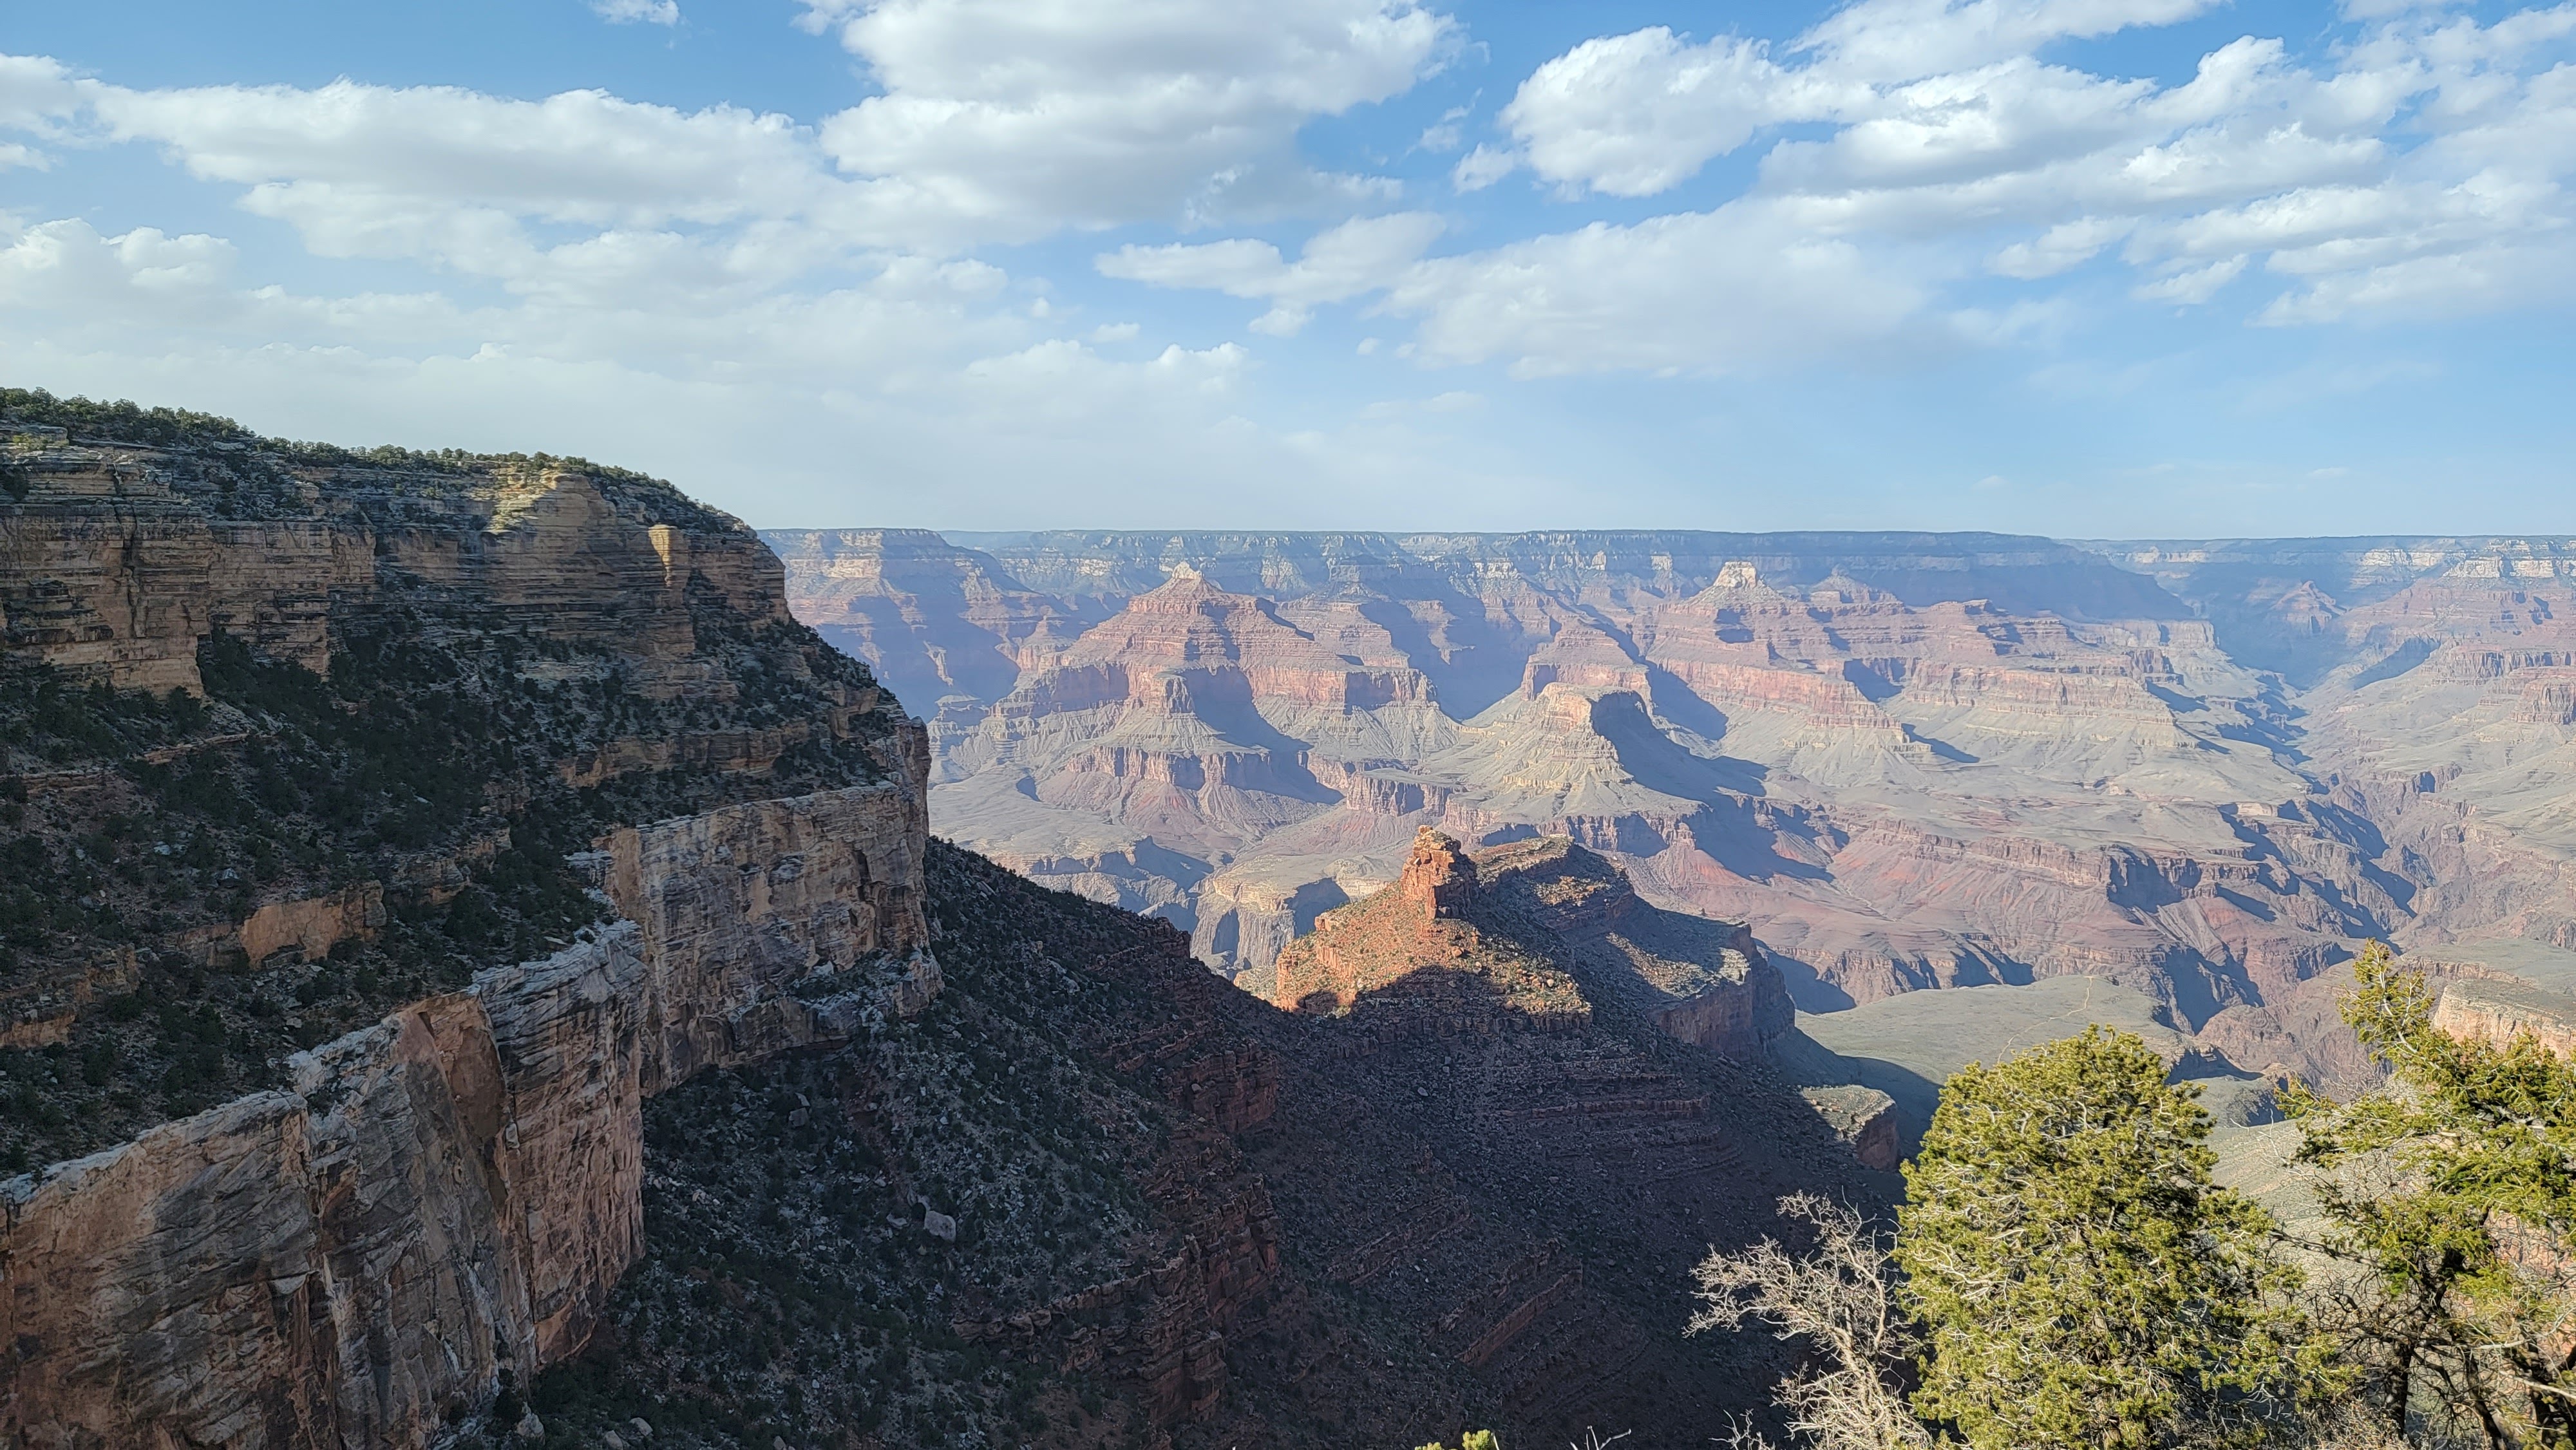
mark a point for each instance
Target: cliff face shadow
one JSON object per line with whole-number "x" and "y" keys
{"x": 1629, "y": 1154}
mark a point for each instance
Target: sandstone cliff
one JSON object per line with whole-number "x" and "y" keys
{"x": 2207, "y": 771}
{"x": 454, "y": 1192}
{"x": 290, "y": 736}
{"x": 527, "y": 751}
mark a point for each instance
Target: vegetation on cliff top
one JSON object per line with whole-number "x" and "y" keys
{"x": 2064, "y": 1272}
{"x": 416, "y": 791}
{"x": 249, "y": 472}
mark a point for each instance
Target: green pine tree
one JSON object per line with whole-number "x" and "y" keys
{"x": 2454, "y": 1191}
{"x": 2079, "y": 1280}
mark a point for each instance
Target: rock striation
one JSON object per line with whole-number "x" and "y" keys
{"x": 365, "y": 703}
{"x": 2204, "y": 770}
{"x": 455, "y": 1191}
{"x": 549, "y": 921}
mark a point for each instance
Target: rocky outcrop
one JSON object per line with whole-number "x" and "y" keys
{"x": 121, "y": 559}
{"x": 1540, "y": 934}
{"x": 2498, "y": 1011}
{"x": 752, "y": 916}
{"x": 1864, "y": 1118}
{"x": 454, "y": 1192}
{"x": 1419, "y": 959}
{"x": 313, "y": 925}
{"x": 1698, "y": 981}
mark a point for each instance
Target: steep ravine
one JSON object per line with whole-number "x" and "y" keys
{"x": 549, "y": 1012}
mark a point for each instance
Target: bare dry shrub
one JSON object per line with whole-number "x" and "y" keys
{"x": 1841, "y": 1299}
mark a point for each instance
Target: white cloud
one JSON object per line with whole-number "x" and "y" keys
{"x": 579, "y": 157}
{"x": 35, "y": 92}
{"x": 1900, "y": 40}
{"x": 627, "y": 12}
{"x": 2066, "y": 245}
{"x": 1741, "y": 288}
{"x": 1012, "y": 118}
{"x": 2427, "y": 168}
{"x": 1635, "y": 114}
{"x": 1351, "y": 259}
{"x": 2192, "y": 287}
{"x": 66, "y": 267}
{"x": 1482, "y": 167}
{"x": 1001, "y": 120}
{"x": 2417, "y": 165}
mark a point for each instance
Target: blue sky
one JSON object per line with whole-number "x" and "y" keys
{"x": 2082, "y": 267}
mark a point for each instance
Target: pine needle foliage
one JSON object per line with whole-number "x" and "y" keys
{"x": 2453, "y": 1191}
{"x": 2078, "y": 1278}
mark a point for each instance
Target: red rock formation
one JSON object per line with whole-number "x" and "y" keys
{"x": 1540, "y": 934}
{"x": 1438, "y": 878}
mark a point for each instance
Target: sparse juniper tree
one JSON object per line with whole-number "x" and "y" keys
{"x": 2078, "y": 1279}
{"x": 2453, "y": 1192}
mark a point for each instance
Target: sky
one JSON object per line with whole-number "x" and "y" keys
{"x": 2088, "y": 268}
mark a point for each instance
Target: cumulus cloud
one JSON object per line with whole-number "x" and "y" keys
{"x": 1635, "y": 114}
{"x": 2416, "y": 163}
{"x": 2426, "y": 168}
{"x": 1000, "y": 120}
{"x": 65, "y": 266}
{"x": 1011, "y": 118}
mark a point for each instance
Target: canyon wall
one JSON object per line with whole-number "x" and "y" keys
{"x": 493, "y": 848}
{"x": 2207, "y": 771}
{"x": 453, "y": 1192}
{"x": 286, "y": 732}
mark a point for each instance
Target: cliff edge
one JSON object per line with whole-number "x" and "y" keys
{"x": 389, "y": 826}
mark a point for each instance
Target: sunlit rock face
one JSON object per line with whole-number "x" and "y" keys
{"x": 401, "y": 1220}
{"x": 2207, "y": 771}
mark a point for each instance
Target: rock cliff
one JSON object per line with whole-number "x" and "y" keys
{"x": 453, "y": 1192}
{"x": 298, "y": 667}
{"x": 2206, "y": 771}
{"x": 290, "y": 736}
{"x": 485, "y": 987}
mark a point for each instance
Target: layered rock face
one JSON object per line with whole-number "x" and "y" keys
{"x": 290, "y": 735}
{"x": 1906, "y": 761}
{"x": 453, "y": 1192}
{"x": 121, "y": 559}
{"x": 418, "y": 679}
{"x": 730, "y": 1148}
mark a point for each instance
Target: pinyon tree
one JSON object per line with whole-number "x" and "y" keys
{"x": 2077, "y": 1278}
{"x": 2452, "y": 1192}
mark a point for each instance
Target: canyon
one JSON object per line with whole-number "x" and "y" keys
{"x": 478, "y": 971}
{"x": 2202, "y": 771}
{"x": 497, "y": 952}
